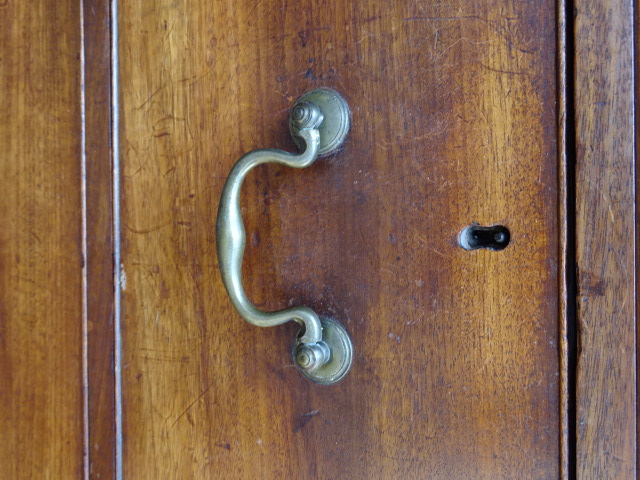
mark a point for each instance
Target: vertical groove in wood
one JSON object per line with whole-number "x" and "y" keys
{"x": 99, "y": 240}
{"x": 605, "y": 238}
{"x": 119, "y": 277}
{"x": 564, "y": 245}
{"x": 636, "y": 82}
{"x": 41, "y": 299}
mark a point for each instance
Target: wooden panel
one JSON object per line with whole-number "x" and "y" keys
{"x": 41, "y": 408}
{"x": 454, "y": 122}
{"x": 605, "y": 235}
{"x": 99, "y": 231}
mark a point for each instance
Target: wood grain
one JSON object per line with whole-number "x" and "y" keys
{"x": 605, "y": 233}
{"x": 100, "y": 393}
{"x": 454, "y": 121}
{"x": 41, "y": 407}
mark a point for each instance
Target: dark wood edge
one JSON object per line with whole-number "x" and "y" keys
{"x": 607, "y": 388}
{"x": 99, "y": 301}
{"x": 564, "y": 240}
{"x": 636, "y": 70}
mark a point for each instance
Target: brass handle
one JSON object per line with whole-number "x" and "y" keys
{"x": 319, "y": 121}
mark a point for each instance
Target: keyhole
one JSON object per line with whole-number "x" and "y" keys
{"x": 496, "y": 237}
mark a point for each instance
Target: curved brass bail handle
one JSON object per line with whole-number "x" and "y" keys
{"x": 231, "y": 238}
{"x": 323, "y": 352}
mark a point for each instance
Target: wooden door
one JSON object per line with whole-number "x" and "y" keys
{"x": 456, "y": 369}
{"x": 120, "y": 353}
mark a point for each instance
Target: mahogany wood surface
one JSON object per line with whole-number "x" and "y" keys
{"x": 459, "y": 354}
{"x": 454, "y": 110}
{"x": 605, "y": 240}
{"x": 41, "y": 291}
{"x": 100, "y": 394}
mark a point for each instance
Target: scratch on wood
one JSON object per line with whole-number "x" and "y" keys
{"x": 150, "y": 97}
{"x": 148, "y": 230}
{"x": 257, "y": 4}
{"x": 445, "y": 19}
{"x": 192, "y": 404}
{"x": 508, "y": 72}
{"x": 304, "y": 419}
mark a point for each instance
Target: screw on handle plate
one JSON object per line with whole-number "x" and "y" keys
{"x": 312, "y": 360}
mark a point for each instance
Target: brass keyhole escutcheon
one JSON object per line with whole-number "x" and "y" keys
{"x": 495, "y": 237}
